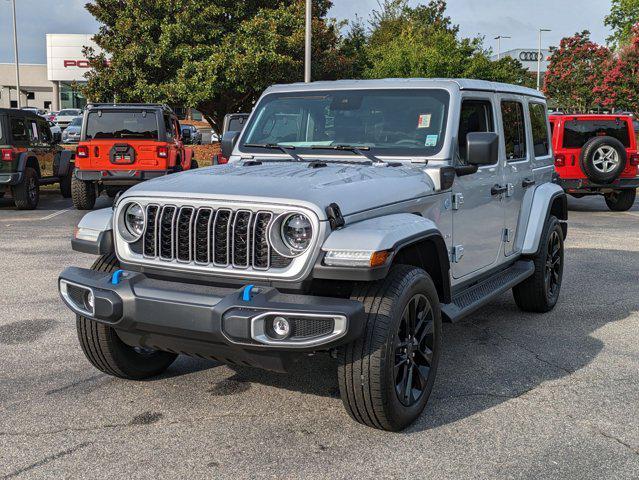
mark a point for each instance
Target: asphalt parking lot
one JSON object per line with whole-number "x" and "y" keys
{"x": 517, "y": 395}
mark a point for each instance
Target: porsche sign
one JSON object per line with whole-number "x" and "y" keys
{"x": 65, "y": 60}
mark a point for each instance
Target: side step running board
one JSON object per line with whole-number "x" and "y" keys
{"x": 476, "y": 296}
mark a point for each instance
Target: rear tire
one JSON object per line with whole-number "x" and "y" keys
{"x": 397, "y": 354}
{"x": 106, "y": 352}
{"x": 65, "y": 184}
{"x": 620, "y": 200}
{"x": 26, "y": 194}
{"x": 194, "y": 164}
{"x": 540, "y": 292}
{"x": 83, "y": 194}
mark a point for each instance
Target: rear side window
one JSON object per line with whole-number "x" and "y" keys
{"x": 539, "y": 129}
{"x": 578, "y": 132}
{"x": 19, "y": 130}
{"x": 512, "y": 114}
{"x": 476, "y": 116}
{"x": 122, "y": 124}
{"x": 236, "y": 124}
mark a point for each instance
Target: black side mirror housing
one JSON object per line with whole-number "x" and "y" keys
{"x": 482, "y": 148}
{"x": 186, "y": 134}
{"x": 229, "y": 139}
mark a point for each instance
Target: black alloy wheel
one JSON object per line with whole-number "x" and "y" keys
{"x": 414, "y": 344}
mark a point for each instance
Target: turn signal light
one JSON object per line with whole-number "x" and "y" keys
{"x": 163, "y": 152}
{"x": 634, "y": 159}
{"x": 7, "y": 154}
{"x": 560, "y": 160}
{"x": 82, "y": 151}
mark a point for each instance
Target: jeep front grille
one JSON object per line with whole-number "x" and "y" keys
{"x": 206, "y": 236}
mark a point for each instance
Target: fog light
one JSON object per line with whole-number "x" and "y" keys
{"x": 90, "y": 300}
{"x": 281, "y": 327}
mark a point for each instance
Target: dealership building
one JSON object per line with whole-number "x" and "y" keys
{"x": 528, "y": 58}
{"x": 54, "y": 85}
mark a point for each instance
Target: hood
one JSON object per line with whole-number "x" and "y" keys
{"x": 354, "y": 188}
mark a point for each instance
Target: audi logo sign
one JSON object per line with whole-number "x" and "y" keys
{"x": 529, "y": 56}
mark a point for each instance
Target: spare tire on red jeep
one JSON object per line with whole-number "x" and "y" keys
{"x": 603, "y": 159}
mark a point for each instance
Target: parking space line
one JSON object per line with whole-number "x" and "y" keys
{"x": 55, "y": 214}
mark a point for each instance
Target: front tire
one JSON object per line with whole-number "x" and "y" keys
{"x": 386, "y": 376}
{"x": 26, "y": 195}
{"x": 621, "y": 200}
{"x": 540, "y": 292}
{"x": 83, "y": 194}
{"x": 108, "y": 353}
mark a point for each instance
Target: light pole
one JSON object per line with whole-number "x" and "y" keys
{"x": 307, "y": 41}
{"x": 15, "y": 48}
{"x": 498, "y": 38}
{"x": 539, "y": 57}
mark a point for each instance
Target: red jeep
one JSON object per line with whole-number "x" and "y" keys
{"x": 597, "y": 155}
{"x": 123, "y": 144}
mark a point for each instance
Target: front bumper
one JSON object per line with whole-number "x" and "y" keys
{"x": 10, "y": 178}
{"x": 223, "y": 324}
{"x": 583, "y": 185}
{"x": 119, "y": 177}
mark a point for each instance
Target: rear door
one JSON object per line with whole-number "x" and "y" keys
{"x": 517, "y": 160}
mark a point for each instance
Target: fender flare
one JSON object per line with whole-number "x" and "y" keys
{"x": 188, "y": 156}
{"x": 63, "y": 159}
{"x": 548, "y": 198}
{"x": 24, "y": 158}
{"x": 94, "y": 233}
{"x": 396, "y": 233}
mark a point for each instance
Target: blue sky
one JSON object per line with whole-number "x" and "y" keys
{"x": 519, "y": 19}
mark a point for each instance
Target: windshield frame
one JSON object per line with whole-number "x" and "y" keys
{"x": 415, "y": 154}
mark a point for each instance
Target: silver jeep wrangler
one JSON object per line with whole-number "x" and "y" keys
{"x": 352, "y": 218}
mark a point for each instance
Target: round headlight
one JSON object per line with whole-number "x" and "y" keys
{"x": 134, "y": 220}
{"x": 297, "y": 232}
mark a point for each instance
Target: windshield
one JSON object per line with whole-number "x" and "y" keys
{"x": 388, "y": 122}
{"x": 76, "y": 122}
{"x": 122, "y": 124}
{"x": 68, "y": 113}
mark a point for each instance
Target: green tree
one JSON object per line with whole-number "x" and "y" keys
{"x": 423, "y": 42}
{"x": 624, "y": 15}
{"x": 575, "y": 70}
{"x": 213, "y": 55}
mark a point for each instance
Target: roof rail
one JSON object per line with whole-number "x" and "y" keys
{"x": 115, "y": 104}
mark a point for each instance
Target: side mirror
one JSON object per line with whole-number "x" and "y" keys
{"x": 229, "y": 139}
{"x": 482, "y": 148}
{"x": 186, "y": 134}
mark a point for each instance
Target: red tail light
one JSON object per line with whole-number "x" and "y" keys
{"x": 634, "y": 159}
{"x": 82, "y": 151}
{"x": 560, "y": 160}
{"x": 222, "y": 159}
{"x": 163, "y": 152}
{"x": 8, "y": 154}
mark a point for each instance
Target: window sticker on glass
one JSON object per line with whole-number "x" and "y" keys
{"x": 424, "y": 121}
{"x": 431, "y": 140}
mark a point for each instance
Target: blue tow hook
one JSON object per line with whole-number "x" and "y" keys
{"x": 116, "y": 277}
{"x": 246, "y": 294}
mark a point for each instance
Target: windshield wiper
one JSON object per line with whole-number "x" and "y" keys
{"x": 362, "y": 150}
{"x": 275, "y": 146}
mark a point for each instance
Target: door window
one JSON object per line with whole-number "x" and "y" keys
{"x": 541, "y": 142}
{"x": 19, "y": 130}
{"x": 512, "y": 115}
{"x": 476, "y": 116}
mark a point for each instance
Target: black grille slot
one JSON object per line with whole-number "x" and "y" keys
{"x": 260, "y": 240}
{"x": 150, "y": 232}
{"x": 183, "y": 234}
{"x": 78, "y": 296}
{"x": 241, "y": 238}
{"x": 210, "y": 237}
{"x": 202, "y": 237}
{"x": 311, "y": 327}
{"x": 167, "y": 217}
{"x": 221, "y": 231}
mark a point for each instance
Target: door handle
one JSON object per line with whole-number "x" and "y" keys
{"x": 498, "y": 189}
{"x": 527, "y": 182}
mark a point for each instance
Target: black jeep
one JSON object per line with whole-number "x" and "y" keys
{"x": 31, "y": 157}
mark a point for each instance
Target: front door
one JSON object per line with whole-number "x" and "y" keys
{"x": 478, "y": 218}
{"x": 517, "y": 163}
